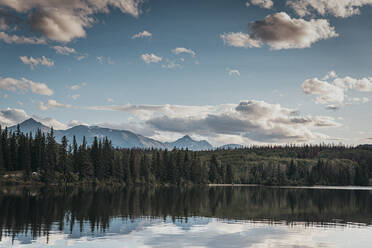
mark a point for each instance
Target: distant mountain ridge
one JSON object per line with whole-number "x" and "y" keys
{"x": 230, "y": 147}
{"x": 187, "y": 142}
{"x": 119, "y": 138}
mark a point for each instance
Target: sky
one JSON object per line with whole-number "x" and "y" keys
{"x": 228, "y": 71}
{"x": 199, "y": 232}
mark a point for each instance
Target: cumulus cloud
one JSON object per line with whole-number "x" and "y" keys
{"x": 240, "y": 40}
{"x": 234, "y": 72}
{"x": 34, "y": 62}
{"x": 179, "y": 50}
{"x": 12, "y": 116}
{"x": 66, "y": 20}
{"x": 254, "y": 120}
{"x": 267, "y": 4}
{"x": 15, "y": 39}
{"x": 73, "y": 123}
{"x": 334, "y": 90}
{"x": 143, "y": 34}
{"x": 8, "y": 20}
{"x": 338, "y": 8}
{"x": 280, "y": 31}
{"x": 151, "y": 58}
{"x": 327, "y": 92}
{"x": 77, "y": 86}
{"x": 64, "y": 50}
{"x": 52, "y": 104}
{"x": 24, "y": 85}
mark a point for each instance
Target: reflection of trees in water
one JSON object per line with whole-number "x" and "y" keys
{"x": 24, "y": 210}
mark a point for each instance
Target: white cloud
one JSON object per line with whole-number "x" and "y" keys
{"x": 334, "y": 91}
{"x": 103, "y": 60}
{"x": 52, "y": 104}
{"x": 171, "y": 65}
{"x": 24, "y": 85}
{"x": 15, "y": 39}
{"x": 240, "y": 40}
{"x": 74, "y": 123}
{"x": 100, "y": 59}
{"x": 75, "y": 97}
{"x": 151, "y": 58}
{"x": 338, "y": 8}
{"x": 34, "y": 62}
{"x": 333, "y": 107}
{"x": 359, "y": 100}
{"x": 64, "y": 50}
{"x": 268, "y": 4}
{"x": 327, "y": 92}
{"x": 8, "y": 20}
{"x": 251, "y": 120}
{"x": 179, "y": 50}
{"x": 77, "y": 86}
{"x": 66, "y": 20}
{"x": 12, "y": 116}
{"x": 234, "y": 72}
{"x": 280, "y": 31}
{"x": 143, "y": 34}
{"x": 81, "y": 57}
{"x": 331, "y": 74}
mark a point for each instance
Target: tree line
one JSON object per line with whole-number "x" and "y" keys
{"x": 40, "y": 158}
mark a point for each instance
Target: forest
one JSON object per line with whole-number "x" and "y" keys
{"x": 40, "y": 159}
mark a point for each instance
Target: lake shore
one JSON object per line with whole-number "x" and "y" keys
{"x": 296, "y": 187}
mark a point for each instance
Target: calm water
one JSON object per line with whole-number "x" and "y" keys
{"x": 186, "y": 217}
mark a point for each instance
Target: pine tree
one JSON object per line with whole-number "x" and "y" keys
{"x": 144, "y": 169}
{"x": 96, "y": 160}
{"x": 2, "y": 165}
{"x": 62, "y": 158}
{"x": 86, "y": 170}
{"x": 75, "y": 159}
{"x": 27, "y": 157}
{"x": 229, "y": 175}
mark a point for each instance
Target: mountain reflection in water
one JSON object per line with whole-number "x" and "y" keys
{"x": 171, "y": 215}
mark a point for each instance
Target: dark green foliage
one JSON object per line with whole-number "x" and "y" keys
{"x": 56, "y": 163}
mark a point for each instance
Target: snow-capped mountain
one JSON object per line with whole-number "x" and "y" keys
{"x": 187, "y": 142}
{"x": 119, "y": 138}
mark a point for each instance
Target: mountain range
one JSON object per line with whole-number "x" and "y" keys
{"x": 119, "y": 138}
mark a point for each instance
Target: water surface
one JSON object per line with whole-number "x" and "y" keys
{"x": 186, "y": 217}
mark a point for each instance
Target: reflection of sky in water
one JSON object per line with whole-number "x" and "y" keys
{"x": 199, "y": 232}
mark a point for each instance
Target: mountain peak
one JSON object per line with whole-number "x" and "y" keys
{"x": 187, "y": 142}
{"x": 30, "y": 121}
{"x": 186, "y": 137}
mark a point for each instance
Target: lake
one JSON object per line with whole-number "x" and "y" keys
{"x": 186, "y": 217}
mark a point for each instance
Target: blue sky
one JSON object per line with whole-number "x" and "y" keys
{"x": 242, "y": 74}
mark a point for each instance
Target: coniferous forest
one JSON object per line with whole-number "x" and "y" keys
{"x": 40, "y": 159}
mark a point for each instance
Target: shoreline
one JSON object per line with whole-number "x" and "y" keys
{"x": 350, "y": 187}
